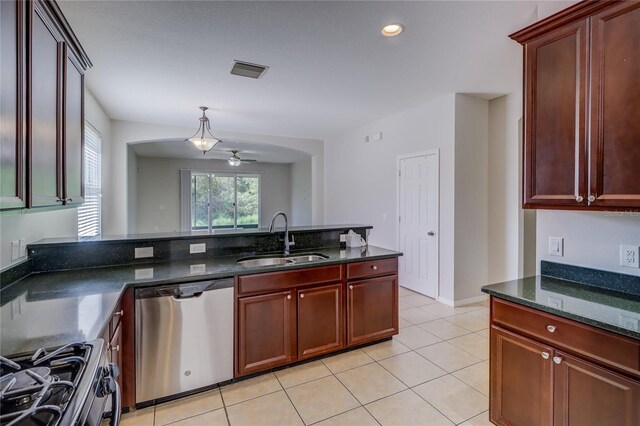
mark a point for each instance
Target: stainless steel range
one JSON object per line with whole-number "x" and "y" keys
{"x": 69, "y": 386}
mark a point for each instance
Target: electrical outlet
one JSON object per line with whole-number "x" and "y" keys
{"x": 144, "y": 274}
{"x": 141, "y": 252}
{"x": 15, "y": 250}
{"x": 343, "y": 238}
{"x": 200, "y": 268}
{"x": 554, "y": 302}
{"x": 629, "y": 256}
{"x": 23, "y": 247}
{"x": 556, "y": 246}
{"x": 197, "y": 248}
{"x": 629, "y": 323}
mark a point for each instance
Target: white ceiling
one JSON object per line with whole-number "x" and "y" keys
{"x": 264, "y": 153}
{"x": 330, "y": 69}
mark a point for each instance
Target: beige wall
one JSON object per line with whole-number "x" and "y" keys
{"x": 301, "y": 192}
{"x": 158, "y": 190}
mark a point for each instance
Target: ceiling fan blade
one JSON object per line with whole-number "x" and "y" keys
{"x": 249, "y": 161}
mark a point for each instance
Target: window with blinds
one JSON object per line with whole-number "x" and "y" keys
{"x": 90, "y": 213}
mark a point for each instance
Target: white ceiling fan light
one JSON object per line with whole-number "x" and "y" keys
{"x": 203, "y": 140}
{"x": 235, "y": 161}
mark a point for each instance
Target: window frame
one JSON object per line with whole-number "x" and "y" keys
{"x": 235, "y": 175}
{"x": 88, "y": 189}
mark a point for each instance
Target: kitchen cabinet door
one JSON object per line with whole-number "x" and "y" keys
{"x": 555, "y": 172}
{"x": 266, "y": 331}
{"x": 520, "y": 380}
{"x": 615, "y": 107}
{"x": 588, "y": 395}
{"x": 372, "y": 309}
{"x": 73, "y": 140}
{"x": 320, "y": 319}
{"x": 44, "y": 111}
{"x": 12, "y": 105}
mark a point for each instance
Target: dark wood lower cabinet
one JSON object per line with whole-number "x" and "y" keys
{"x": 372, "y": 311}
{"x": 562, "y": 380}
{"x": 320, "y": 320}
{"x": 588, "y": 395}
{"x": 521, "y": 380}
{"x": 266, "y": 331}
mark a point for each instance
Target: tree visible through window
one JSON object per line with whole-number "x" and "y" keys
{"x": 220, "y": 200}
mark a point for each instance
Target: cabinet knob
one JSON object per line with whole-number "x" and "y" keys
{"x": 374, "y": 267}
{"x": 545, "y": 355}
{"x": 119, "y": 313}
{"x": 551, "y": 328}
{"x": 302, "y": 296}
{"x": 592, "y": 198}
{"x": 114, "y": 348}
{"x": 431, "y": 233}
{"x": 579, "y": 198}
{"x": 288, "y": 297}
{"x": 557, "y": 359}
{"x": 350, "y": 287}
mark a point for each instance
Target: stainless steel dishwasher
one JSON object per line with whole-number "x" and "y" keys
{"x": 184, "y": 337}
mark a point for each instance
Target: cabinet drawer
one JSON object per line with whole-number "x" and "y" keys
{"x": 275, "y": 281}
{"x": 600, "y": 345}
{"x": 372, "y": 268}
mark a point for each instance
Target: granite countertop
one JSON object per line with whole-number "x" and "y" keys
{"x": 51, "y": 309}
{"x": 610, "y": 310}
{"x": 193, "y": 234}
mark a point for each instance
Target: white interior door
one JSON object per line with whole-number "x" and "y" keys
{"x": 418, "y": 223}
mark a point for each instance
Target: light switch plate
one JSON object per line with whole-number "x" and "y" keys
{"x": 15, "y": 250}
{"x": 142, "y": 252}
{"x": 343, "y": 238}
{"x": 197, "y": 248}
{"x": 556, "y": 246}
{"x": 23, "y": 247}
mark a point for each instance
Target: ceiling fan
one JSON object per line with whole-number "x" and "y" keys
{"x": 235, "y": 161}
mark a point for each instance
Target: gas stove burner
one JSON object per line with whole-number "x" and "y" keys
{"x": 24, "y": 379}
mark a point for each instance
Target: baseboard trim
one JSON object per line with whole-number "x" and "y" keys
{"x": 471, "y": 300}
{"x": 447, "y": 302}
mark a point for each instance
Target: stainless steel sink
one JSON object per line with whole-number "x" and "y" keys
{"x": 264, "y": 261}
{"x": 257, "y": 262}
{"x": 302, "y": 258}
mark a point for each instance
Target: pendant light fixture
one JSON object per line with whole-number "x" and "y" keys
{"x": 203, "y": 139}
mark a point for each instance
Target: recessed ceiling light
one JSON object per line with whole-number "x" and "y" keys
{"x": 391, "y": 30}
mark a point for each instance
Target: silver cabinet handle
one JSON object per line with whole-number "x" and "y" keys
{"x": 592, "y": 198}
{"x": 551, "y": 328}
{"x": 350, "y": 287}
{"x": 545, "y": 355}
{"x": 119, "y": 313}
{"x": 374, "y": 267}
{"x": 579, "y": 198}
{"x": 557, "y": 359}
{"x": 288, "y": 297}
{"x": 302, "y": 296}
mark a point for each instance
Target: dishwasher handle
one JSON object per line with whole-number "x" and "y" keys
{"x": 180, "y": 296}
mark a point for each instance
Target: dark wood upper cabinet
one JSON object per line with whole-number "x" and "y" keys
{"x": 320, "y": 320}
{"x": 12, "y": 105}
{"x": 73, "y": 131}
{"x": 615, "y": 106}
{"x": 555, "y": 112}
{"x": 582, "y": 108}
{"x": 521, "y": 380}
{"x": 588, "y": 395}
{"x": 42, "y": 102}
{"x": 44, "y": 111}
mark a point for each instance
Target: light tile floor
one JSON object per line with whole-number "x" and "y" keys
{"x": 435, "y": 372}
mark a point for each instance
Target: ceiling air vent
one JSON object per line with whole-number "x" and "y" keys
{"x": 246, "y": 69}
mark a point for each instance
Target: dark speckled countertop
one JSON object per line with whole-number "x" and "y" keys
{"x": 610, "y": 310}
{"x": 55, "y": 308}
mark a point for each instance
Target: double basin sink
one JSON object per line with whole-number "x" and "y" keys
{"x": 257, "y": 262}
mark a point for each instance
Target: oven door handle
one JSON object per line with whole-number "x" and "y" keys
{"x": 116, "y": 406}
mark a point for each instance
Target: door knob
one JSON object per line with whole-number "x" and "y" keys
{"x": 350, "y": 287}
{"x": 302, "y": 296}
{"x": 288, "y": 297}
{"x": 431, "y": 233}
{"x": 579, "y": 198}
{"x": 374, "y": 267}
{"x": 592, "y": 198}
{"x": 557, "y": 359}
{"x": 551, "y": 328}
{"x": 545, "y": 355}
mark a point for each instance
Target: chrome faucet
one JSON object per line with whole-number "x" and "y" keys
{"x": 287, "y": 243}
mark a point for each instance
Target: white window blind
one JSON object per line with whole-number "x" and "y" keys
{"x": 90, "y": 213}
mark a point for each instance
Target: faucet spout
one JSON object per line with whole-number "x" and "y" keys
{"x": 287, "y": 243}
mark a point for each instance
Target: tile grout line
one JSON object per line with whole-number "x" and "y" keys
{"x": 224, "y": 406}
{"x": 289, "y": 398}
